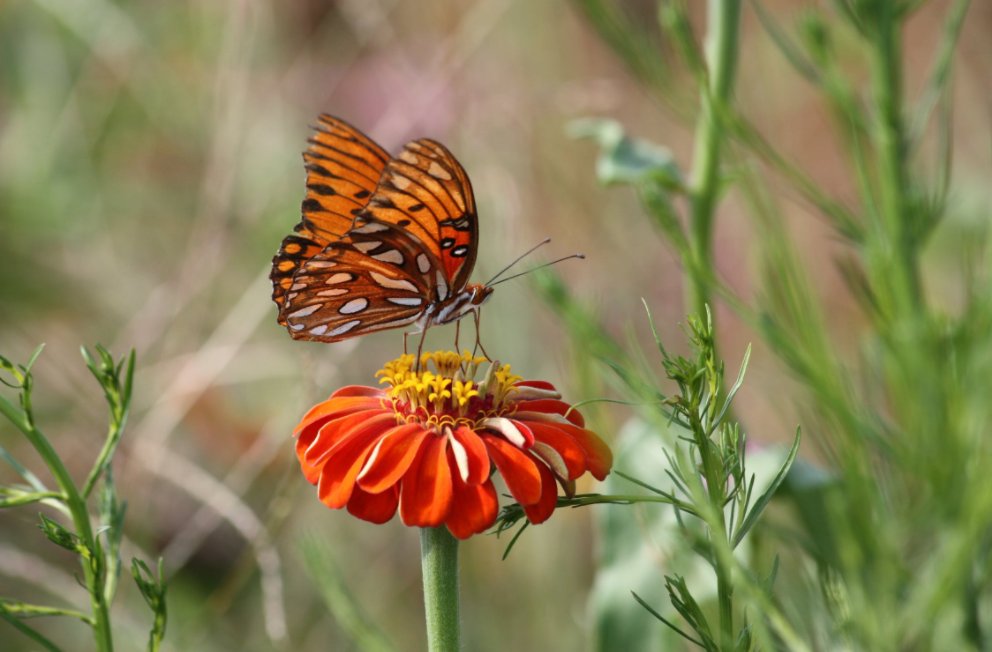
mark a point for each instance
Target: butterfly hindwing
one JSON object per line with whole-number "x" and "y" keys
{"x": 362, "y": 283}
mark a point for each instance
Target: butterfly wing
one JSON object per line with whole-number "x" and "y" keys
{"x": 343, "y": 167}
{"x": 425, "y": 191}
{"x": 369, "y": 280}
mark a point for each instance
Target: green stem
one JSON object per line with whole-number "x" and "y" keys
{"x": 898, "y": 250}
{"x": 716, "y": 490}
{"x": 721, "y": 56}
{"x": 439, "y": 565}
{"x": 80, "y": 519}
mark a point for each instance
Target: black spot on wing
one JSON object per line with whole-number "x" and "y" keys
{"x": 322, "y": 189}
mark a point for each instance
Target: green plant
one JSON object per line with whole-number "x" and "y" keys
{"x": 889, "y": 547}
{"x": 94, "y": 540}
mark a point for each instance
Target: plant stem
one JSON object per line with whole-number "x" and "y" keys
{"x": 716, "y": 490}
{"x": 721, "y": 56}
{"x": 439, "y": 565}
{"x": 80, "y": 519}
{"x": 898, "y": 250}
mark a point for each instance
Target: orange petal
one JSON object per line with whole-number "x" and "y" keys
{"x": 333, "y": 408}
{"x": 391, "y": 457}
{"x": 425, "y": 493}
{"x": 376, "y": 508}
{"x": 599, "y": 457}
{"x": 571, "y": 454}
{"x": 542, "y": 510}
{"x": 551, "y": 406}
{"x": 359, "y": 390}
{"x": 476, "y": 457}
{"x": 519, "y": 470}
{"x": 332, "y": 433}
{"x": 473, "y": 508}
{"x": 343, "y": 462}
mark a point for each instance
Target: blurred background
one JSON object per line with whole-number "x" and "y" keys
{"x": 150, "y": 165}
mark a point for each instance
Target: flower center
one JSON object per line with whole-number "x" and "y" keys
{"x": 443, "y": 390}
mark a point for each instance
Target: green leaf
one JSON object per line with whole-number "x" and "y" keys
{"x": 755, "y": 512}
{"x": 61, "y": 537}
{"x": 153, "y": 589}
{"x": 627, "y": 160}
{"x": 13, "y": 497}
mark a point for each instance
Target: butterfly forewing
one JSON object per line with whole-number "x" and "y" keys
{"x": 426, "y": 191}
{"x": 343, "y": 169}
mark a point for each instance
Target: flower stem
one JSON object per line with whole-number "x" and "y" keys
{"x": 439, "y": 565}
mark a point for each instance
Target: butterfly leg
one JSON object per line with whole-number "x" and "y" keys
{"x": 476, "y": 314}
{"x": 420, "y": 349}
{"x": 458, "y": 328}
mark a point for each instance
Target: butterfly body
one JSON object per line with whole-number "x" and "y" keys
{"x": 385, "y": 242}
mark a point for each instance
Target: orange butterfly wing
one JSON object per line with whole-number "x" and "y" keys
{"x": 412, "y": 245}
{"x": 360, "y": 284}
{"x": 343, "y": 170}
{"x": 425, "y": 190}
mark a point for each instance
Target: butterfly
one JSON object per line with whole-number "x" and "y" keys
{"x": 385, "y": 242}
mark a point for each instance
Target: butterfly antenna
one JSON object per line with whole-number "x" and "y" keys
{"x": 518, "y": 259}
{"x": 534, "y": 269}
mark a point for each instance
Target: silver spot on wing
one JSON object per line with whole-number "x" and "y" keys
{"x": 392, "y": 283}
{"x": 392, "y": 256}
{"x": 423, "y": 263}
{"x": 353, "y": 306}
{"x": 305, "y": 311}
{"x": 405, "y": 301}
{"x": 345, "y": 327}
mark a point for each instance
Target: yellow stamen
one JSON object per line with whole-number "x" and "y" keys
{"x": 445, "y": 388}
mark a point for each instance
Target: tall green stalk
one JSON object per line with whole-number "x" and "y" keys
{"x": 439, "y": 565}
{"x": 721, "y": 57}
{"x": 93, "y": 563}
{"x": 898, "y": 249}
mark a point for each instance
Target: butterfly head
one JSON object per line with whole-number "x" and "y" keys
{"x": 461, "y": 304}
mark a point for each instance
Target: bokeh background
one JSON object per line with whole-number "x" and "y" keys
{"x": 149, "y": 167}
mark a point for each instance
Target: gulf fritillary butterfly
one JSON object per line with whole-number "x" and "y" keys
{"x": 384, "y": 242}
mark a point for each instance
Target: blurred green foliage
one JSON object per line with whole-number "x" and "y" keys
{"x": 150, "y": 158}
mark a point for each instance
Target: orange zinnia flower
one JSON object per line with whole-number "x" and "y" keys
{"x": 428, "y": 442}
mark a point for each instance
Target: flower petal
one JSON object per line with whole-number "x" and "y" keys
{"x": 519, "y": 437}
{"x": 549, "y": 407}
{"x": 376, "y": 508}
{"x": 333, "y": 432}
{"x": 425, "y": 493}
{"x": 519, "y": 470}
{"x": 344, "y": 460}
{"x": 334, "y": 407}
{"x": 542, "y": 510}
{"x": 473, "y": 508}
{"x": 476, "y": 455}
{"x": 391, "y": 457}
{"x": 534, "y": 389}
{"x": 599, "y": 457}
{"x": 563, "y": 447}
{"x": 359, "y": 390}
